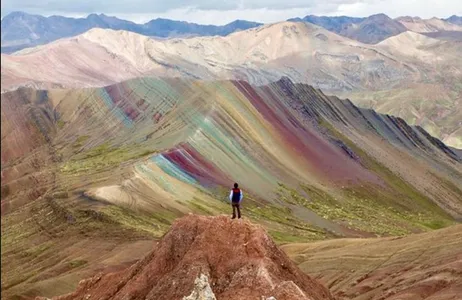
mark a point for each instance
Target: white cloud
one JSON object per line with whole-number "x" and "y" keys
{"x": 220, "y": 17}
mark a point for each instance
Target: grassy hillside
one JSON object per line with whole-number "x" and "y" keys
{"x": 91, "y": 177}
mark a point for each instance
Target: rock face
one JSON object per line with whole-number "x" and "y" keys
{"x": 207, "y": 258}
{"x": 202, "y": 290}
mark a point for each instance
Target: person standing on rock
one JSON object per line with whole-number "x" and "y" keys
{"x": 235, "y": 196}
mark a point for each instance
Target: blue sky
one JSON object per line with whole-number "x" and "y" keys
{"x": 225, "y": 11}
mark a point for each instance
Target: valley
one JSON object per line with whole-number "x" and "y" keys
{"x": 115, "y": 166}
{"x": 122, "y": 139}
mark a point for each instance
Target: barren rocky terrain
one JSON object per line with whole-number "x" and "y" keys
{"x": 92, "y": 177}
{"x": 119, "y": 150}
{"x": 407, "y": 63}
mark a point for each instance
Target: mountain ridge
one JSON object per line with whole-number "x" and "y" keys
{"x": 303, "y": 52}
{"x": 18, "y": 33}
{"x": 370, "y": 30}
{"x": 455, "y": 19}
{"x": 376, "y": 28}
{"x": 115, "y": 166}
{"x": 21, "y": 30}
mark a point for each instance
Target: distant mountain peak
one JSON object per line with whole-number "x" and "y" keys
{"x": 380, "y": 15}
{"x": 19, "y": 15}
{"x": 34, "y": 30}
{"x": 454, "y": 20}
{"x": 371, "y": 30}
{"x": 14, "y": 14}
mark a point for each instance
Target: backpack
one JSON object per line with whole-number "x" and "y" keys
{"x": 236, "y": 195}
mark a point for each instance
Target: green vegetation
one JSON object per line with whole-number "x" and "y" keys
{"x": 395, "y": 209}
{"x": 60, "y": 124}
{"x": 37, "y": 250}
{"x": 399, "y": 192}
{"x": 113, "y": 218}
{"x": 77, "y": 263}
{"x": 284, "y": 237}
{"x": 80, "y": 141}
{"x": 208, "y": 208}
{"x": 100, "y": 157}
{"x": 281, "y": 224}
{"x": 448, "y": 184}
{"x": 365, "y": 210}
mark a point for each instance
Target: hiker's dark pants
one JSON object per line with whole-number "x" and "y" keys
{"x": 236, "y": 206}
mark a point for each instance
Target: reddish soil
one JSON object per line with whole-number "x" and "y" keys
{"x": 240, "y": 260}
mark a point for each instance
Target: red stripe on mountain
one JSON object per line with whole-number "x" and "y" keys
{"x": 193, "y": 163}
{"x": 305, "y": 144}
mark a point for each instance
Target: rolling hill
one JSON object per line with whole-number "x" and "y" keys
{"x": 408, "y": 63}
{"x": 435, "y": 106}
{"x": 114, "y": 144}
{"x": 428, "y": 25}
{"x": 112, "y": 167}
{"x": 303, "y": 52}
{"x": 377, "y": 28}
{"x": 258, "y": 55}
{"x": 413, "y": 267}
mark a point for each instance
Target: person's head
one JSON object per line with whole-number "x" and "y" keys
{"x": 236, "y": 185}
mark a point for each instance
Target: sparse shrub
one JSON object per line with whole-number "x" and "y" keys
{"x": 77, "y": 263}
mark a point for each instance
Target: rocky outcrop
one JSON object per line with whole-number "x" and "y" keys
{"x": 202, "y": 290}
{"x": 207, "y": 258}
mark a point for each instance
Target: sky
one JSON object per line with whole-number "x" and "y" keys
{"x": 220, "y": 12}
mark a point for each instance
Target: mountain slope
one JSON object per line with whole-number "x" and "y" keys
{"x": 335, "y": 24}
{"x": 454, "y": 20}
{"x": 370, "y": 30}
{"x": 434, "y": 106}
{"x": 403, "y": 65}
{"x": 374, "y": 29}
{"x": 249, "y": 267}
{"x": 116, "y": 165}
{"x": 377, "y": 28}
{"x": 303, "y": 52}
{"x": 429, "y": 25}
{"x": 413, "y": 267}
{"x": 21, "y": 30}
